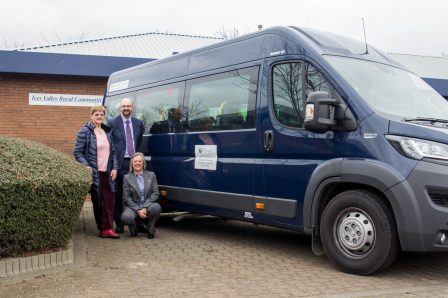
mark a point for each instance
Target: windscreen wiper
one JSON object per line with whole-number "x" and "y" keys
{"x": 423, "y": 119}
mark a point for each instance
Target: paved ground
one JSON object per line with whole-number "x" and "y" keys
{"x": 209, "y": 257}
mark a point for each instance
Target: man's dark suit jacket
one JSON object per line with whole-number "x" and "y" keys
{"x": 163, "y": 127}
{"x": 119, "y": 136}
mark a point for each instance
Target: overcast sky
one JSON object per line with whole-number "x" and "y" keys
{"x": 399, "y": 26}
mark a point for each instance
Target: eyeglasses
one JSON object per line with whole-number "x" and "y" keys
{"x": 98, "y": 115}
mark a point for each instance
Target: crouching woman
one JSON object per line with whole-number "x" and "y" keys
{"x": 140, "y": 196}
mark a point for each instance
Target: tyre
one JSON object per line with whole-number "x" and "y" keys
{"x": 358, "y": 233}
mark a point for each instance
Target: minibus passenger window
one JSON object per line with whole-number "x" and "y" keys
{"x": 159, "y": 108}
{"x": 224, "y": 101}
{"x": 113, "y": 105}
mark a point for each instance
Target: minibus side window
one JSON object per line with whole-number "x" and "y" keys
{"x": 112, "y": 104}
{"x": 288, "y": 101}
{"x": 287, "y": 94}
{"x": 224, "y": 101}
{"x": 159, "y": 108}
{"x": 315, "y": 81}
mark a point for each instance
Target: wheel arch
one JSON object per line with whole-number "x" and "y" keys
{"x": 334, "y": 188}
{"x": 367, "y": 175}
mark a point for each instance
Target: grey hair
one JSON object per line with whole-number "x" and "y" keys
{"x": 131, "y": 168}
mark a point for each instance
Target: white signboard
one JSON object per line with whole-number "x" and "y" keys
{"x": 118, "y": 86}
{"x": 46, "y": 99}
{"x": 206, "y": 157}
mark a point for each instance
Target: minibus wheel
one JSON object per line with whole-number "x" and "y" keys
{"x": 358, "y": 233}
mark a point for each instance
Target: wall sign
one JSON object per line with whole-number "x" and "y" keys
{"x": 47, "y": 99}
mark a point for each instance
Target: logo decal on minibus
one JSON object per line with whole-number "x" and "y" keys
{"x": 206, "y": 157}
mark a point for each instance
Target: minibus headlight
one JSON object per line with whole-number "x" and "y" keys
{"x": 418, "y": 148}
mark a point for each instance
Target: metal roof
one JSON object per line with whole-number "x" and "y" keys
{"x": 424, "y": 66}
{"x": 147, "y": 45}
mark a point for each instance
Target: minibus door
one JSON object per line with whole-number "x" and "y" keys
{"x": 217, "y": 171}
{"x": 289, "y": 153}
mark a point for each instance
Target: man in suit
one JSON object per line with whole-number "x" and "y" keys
{"x": 171, "y": 125}
{"x": 140, "y": 195}
{"x": 127, "y": 136}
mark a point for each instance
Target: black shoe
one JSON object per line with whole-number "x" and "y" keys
{"x": 119, "y": 229}
{"x": 133, "y": 230}
{"x": 142, "y": 228}
{"x": 150, "y": 236}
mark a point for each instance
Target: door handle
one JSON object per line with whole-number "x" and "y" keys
{"x": 268, "y": 140}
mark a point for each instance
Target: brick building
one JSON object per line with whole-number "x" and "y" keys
{"x": 54, "y": 126}
{"x": 23, "y": 73}
{"x": 73, "y": 69}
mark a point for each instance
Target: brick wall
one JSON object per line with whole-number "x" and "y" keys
{"x": 54, "y": 126}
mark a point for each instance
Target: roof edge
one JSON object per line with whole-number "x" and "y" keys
{"x": 416, "y": 55}
{"x": 64, "y": 64}
{"x": 110, "y": 38}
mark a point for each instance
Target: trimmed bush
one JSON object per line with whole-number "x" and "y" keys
{"x": 41, "y": 195}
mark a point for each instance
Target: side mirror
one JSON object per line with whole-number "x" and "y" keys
{"x": 320, "y": 112}
{"x": 324, "y": 113}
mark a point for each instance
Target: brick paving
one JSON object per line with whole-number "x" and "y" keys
{"x": 211, "y": 257}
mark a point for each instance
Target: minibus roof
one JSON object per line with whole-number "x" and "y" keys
{"x": 275, "y": 41}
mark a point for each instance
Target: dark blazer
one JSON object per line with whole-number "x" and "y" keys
{"x": 85, "y": 152}
{"x": 119, "y": 136}
{"x": 131, "y": 191}
{"x": 163, "y": 127}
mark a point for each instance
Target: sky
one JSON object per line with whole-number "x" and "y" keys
{"x": 417, "y": 27}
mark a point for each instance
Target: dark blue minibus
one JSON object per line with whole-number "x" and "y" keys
{"x": 303, "y": 130}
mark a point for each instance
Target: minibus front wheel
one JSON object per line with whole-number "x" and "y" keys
{"x": 358, "y": 232}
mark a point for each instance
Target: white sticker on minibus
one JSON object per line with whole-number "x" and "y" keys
{"x": 119, "y": 86}
{"x": 206, "y": 157}
{"x": 277, "y": 53}
{"x": 248, "y": 215}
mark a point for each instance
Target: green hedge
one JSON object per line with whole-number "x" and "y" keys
{"x": 41, "y": 195}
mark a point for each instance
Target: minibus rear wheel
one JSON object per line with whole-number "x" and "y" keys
{"x": 358, "y": 233}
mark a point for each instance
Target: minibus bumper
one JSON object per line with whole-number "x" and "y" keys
{"x": 420, "y": 205}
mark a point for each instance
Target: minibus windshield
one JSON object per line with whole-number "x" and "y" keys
{"x": 395, "y": 93}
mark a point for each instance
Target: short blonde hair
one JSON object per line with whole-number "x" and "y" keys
{"x": 131, "y": 168}
{"x": 97, "y": 108}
